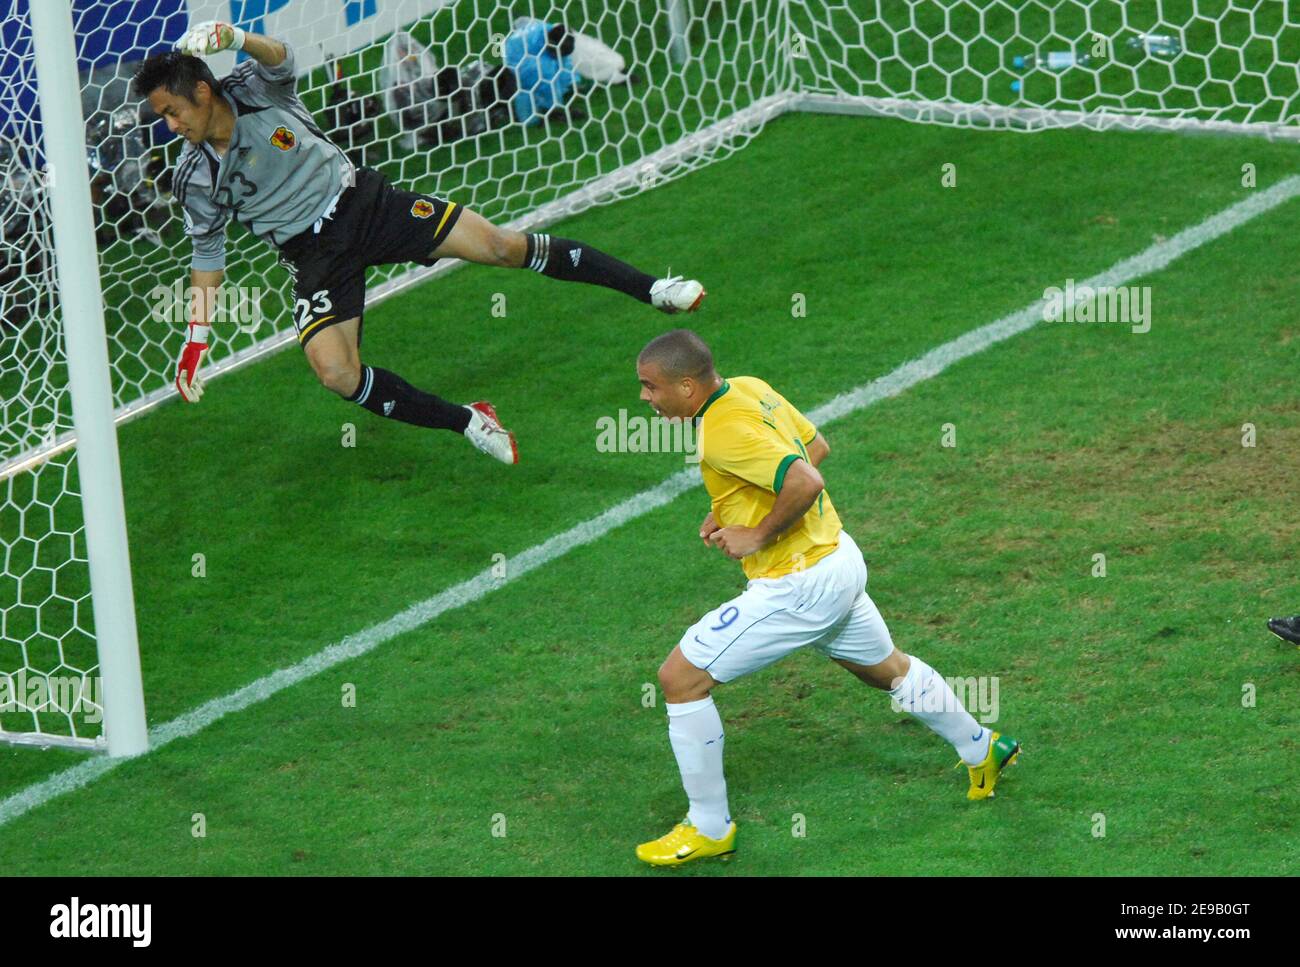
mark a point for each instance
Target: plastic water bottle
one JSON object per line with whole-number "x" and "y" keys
{"x": 1153, "y": 45}
{"x": 1055, "y": 60}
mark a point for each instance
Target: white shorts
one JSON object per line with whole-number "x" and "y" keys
{"x": 825, "y": 606}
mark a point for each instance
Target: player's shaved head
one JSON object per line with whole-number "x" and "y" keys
{"x": 676, "y": 374}
{"x": 679, "y": 354}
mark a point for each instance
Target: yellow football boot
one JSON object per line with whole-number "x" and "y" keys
{"x": 685, "y": 843}
{"x": 983, "y": 777}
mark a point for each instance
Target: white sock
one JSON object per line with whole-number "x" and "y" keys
{"x": 924, "y": 693}
{"x": 695, "y": 731}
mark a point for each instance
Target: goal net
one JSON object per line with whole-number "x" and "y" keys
{"x": 526, "y": 112}
{"x": 1224, "y": 66}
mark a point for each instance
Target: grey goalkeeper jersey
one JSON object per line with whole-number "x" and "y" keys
{"x": 278, "y": 176}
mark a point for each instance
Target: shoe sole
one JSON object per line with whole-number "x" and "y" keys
{"x": 669, "y": 310}
{"x": 712, "y": 856}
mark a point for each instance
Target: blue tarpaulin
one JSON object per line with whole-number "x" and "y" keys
{"x": 544, "y": 79}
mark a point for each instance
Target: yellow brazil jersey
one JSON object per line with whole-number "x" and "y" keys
{"x": 749, "y": 434}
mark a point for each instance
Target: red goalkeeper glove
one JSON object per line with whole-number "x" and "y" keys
{"x": 187, "y": 373}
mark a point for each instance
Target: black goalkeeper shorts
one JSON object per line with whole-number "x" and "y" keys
{"x": 374, "y": 224}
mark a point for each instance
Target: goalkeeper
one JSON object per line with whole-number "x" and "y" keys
{"x": 254, "y": 152}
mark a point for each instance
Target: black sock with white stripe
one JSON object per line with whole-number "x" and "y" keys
{"x": 387, "y": 394}
{"x": 563, "y": 258}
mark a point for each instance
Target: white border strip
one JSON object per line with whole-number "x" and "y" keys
{"x": 909, "y": 374}
{"x": 1033, "y": 118}
{"x": 46, "y": 740}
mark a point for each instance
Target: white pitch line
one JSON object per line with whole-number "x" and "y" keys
{"x": 904, "y": 377}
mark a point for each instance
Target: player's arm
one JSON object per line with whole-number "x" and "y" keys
{"x": 205, "y": 223}
{"x": 799, "y": 491}
{"x": 214, "y": 36}
{"x": 818, "y": 450}
{"x": 267, "y": 51}
{"x": 708, "y": 527}
{"x": 813, "y": 442}
{"x": 204, "y": 284}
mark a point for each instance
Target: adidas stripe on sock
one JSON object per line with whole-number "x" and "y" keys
{"x": 570, "y": 261}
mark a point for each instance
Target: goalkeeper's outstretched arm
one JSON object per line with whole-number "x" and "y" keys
{"x": 265, "y": 50}
{"x": 214, "y": 36}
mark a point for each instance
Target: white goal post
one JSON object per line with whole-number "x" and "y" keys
{"x": 528, "y": 113}
{"x": 121, "y": 701}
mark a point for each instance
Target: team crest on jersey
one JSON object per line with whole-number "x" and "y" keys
{"x": 283, "y": 138}
{"x": 422, "y": 208}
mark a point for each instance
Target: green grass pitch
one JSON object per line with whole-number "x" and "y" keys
{"x": 1072, "y": 440}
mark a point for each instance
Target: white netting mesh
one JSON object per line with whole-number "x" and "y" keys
{"x": 1051, "y": 63}
{"x": 47, "y": 651}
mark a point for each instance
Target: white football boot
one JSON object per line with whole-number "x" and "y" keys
{"x": 486, "y": 432}
{"x": 675, "y": 294}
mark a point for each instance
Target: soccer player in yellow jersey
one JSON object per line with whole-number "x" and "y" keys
{"x": 807, "y": 578}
